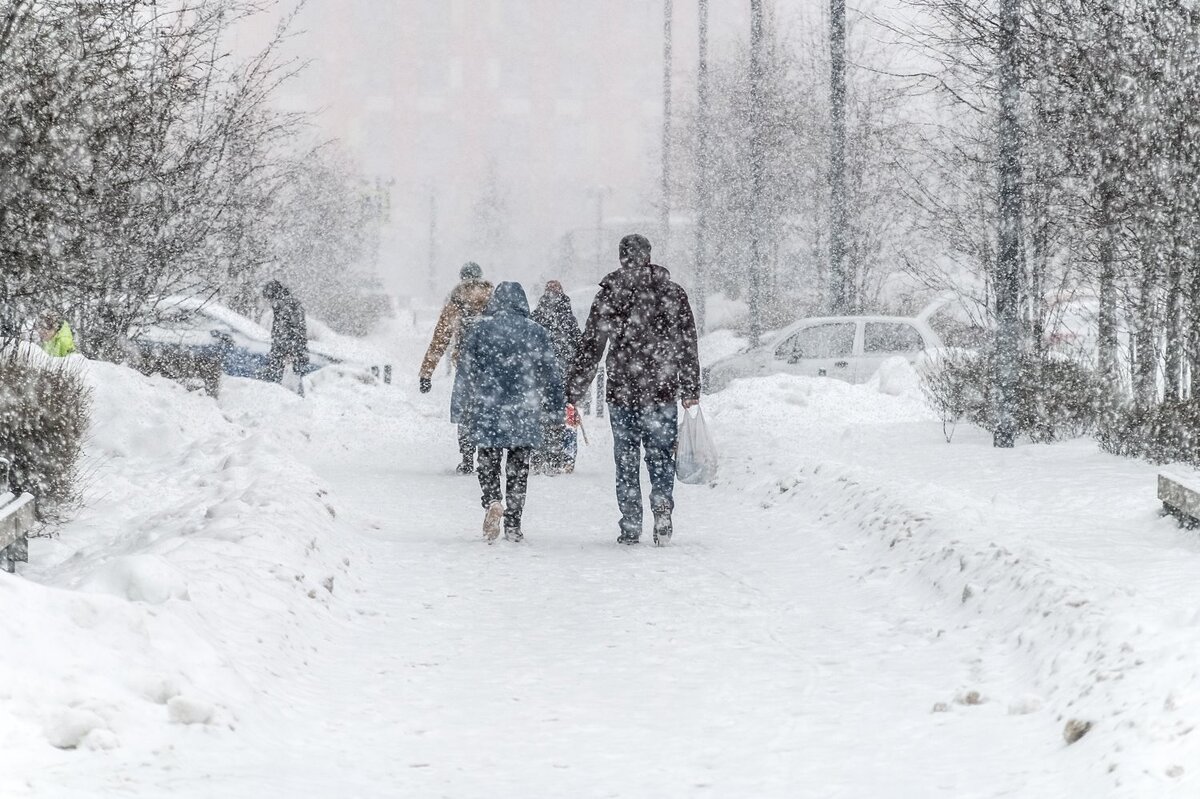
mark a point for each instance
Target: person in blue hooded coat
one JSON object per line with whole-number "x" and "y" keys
{"x": 508, "y": 383}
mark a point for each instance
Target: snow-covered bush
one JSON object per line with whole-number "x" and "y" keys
{"x": 1056, "y": 398}
{"x": 1161, "y": 434}
{"x": 44, "y": 410}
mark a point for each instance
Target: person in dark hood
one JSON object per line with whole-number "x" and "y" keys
{"x": 462, "y": 310}
{"x": 554, "y": 313}
{"x": 289, "y": 332}
{"x": 645, "y": 321}
{"x": 508, "y": 382}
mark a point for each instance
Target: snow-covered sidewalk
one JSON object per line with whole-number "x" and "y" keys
{"x": 854, "y": 609}
{"x": 747, "y": 659}
{"x": 1056, "y": 553}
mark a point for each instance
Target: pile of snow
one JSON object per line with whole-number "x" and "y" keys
{"x": 203, "y": 552}
{"x": 351, "y": 350}
{"x": 721, "y": 311}
{"x": 1055, "y": 553}
{"x": 897, "y": 377}
{"x": 720, "y": 344}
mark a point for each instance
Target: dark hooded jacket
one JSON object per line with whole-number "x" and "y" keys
{"x": 289, "y": 330}
{"x": 645, "y": 320}
{"x": 508, "y": 379}
{"x": 555, "y": 314}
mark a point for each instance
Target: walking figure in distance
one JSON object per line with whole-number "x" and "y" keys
{"x": 554, "y": 313}
{"x": 289, "y": 332}
{"x": 461, "y": 312}
{"x": 508, "y": 383}
{"x": 645, "y": 321}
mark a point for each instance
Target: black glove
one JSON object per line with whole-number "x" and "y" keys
{"x": 426, "y": 384}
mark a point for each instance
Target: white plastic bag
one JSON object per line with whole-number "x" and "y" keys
{"x": 696, "y": 457}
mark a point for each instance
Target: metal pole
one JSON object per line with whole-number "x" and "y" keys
{"x": 1008, "y": 333}
{"x": 839, "y": 300}
{"x": 756, "y": 172}
{"x": 433, "y": 243}
{"x": 665, "y": 222}
{"x": 599, "y": 232}
{"x": 702, "y": 191}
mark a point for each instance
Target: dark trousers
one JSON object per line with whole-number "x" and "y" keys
{"x": 516, "y": 474}
{"x": 654, "y": 429}
{"x": 466, "y": 447}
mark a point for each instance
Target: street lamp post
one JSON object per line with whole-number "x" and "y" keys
{"x": 665, "y": 222}
{"x": 702, "y": 198}
{"x": 756, "y": 173}
{"x": 433, "y": 244}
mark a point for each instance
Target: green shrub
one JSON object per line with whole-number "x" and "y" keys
{"x": 1056, "y": 399}
{"x": 44, "y": 411}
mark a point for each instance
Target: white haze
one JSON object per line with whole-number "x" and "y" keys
{"x": 560, "y": 101}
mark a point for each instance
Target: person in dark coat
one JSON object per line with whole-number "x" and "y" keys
{"x": 508, "y": 382}
{"x": 645, "y": 321}
{"x": 554, "y": 313}
{"x": 289, "y": 332}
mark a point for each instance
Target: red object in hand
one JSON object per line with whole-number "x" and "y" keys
{"x": 572, "y": 416}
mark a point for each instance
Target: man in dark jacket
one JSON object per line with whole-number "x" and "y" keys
{"x": 508, "y": 381}
{"x": 289, "y": 332}
{"x": 645, "y": 320}
{"x": 462, "y": 310}
{"x": 554, "y": 313}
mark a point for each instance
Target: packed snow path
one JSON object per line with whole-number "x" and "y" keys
{"x": 758, "y": 655}
{"x": 746, "y": 659}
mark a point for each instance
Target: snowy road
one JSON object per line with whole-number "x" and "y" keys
{"x": 748, "y": 659}
{"x": 765, "y": 653}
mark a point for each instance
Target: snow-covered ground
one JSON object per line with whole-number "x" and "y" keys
{"x": 268, "y": 596}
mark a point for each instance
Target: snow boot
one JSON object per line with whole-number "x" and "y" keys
{"x": 627, "y": 538}
{"x": 513, "y": 534}
{"x": 491, "y": 521}
{"x": 662, "y": 528}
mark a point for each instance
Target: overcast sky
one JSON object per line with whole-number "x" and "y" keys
{"x": 556, "y": 103}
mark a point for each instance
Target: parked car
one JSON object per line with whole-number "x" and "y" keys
{"x": 849, "y": 348}
{"x": 195, "y": 340}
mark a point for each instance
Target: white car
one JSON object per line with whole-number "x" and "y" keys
{"x": 849, "y": 348}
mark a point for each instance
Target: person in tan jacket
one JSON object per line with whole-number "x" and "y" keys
{"x": 462, "y": 310}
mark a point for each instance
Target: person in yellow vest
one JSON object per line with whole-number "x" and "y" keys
{"x": 55, "y": 333}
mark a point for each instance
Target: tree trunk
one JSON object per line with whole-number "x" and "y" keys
{"x": 1008, "y": 251}
{"x": 1145, "y": 390}
{"x": 840, "y": 284}
{"x": 1174, "y": 325}
{"x": 1107, "y": 344}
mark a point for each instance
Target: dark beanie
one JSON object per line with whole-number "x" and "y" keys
{"x": 470, "y": 271}
{"x": 635, "y": 250}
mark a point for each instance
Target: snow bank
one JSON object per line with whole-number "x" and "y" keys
{"x": 720, "y": 344}
{"x": 1056, "y": 552}
{"x": 203, "y": 552}
{"x": 896, "y": 377}
{"x": 722, "y": 312}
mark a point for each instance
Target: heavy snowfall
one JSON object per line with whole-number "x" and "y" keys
{"x": 615, "y": 398}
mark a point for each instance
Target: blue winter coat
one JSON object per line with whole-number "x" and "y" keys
{"x": 508, "y": 382}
